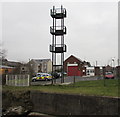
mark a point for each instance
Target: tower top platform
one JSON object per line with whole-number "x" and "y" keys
{"x": 58, "y": 13}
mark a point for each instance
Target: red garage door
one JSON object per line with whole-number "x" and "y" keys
{"x": 73, "y": 71}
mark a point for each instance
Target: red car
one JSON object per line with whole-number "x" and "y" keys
{"x": 109, "y": 75}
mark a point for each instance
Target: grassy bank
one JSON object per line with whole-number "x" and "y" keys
{"x": 97, "y": 88}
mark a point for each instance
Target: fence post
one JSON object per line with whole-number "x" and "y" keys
{"x": 28, "y": 80}
{"x": 20, "y": 83}
{"x": 12, "y": 80}
{"x": 6, "y": 79}
{"x": 24, "y": 80}
{"x": 74, "y": 79}
{"x": 15, "y": 80}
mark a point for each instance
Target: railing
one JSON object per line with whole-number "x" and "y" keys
{"x": 59, "y": 11}
{"x": 58, "y": 48}
{"x": 57, "y": 30}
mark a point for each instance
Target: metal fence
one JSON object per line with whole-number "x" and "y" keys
{"x": 18, "y": 80}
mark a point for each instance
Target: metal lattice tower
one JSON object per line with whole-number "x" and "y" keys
{"x": 58, "y": 30}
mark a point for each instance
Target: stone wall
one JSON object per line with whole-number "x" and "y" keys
{"x": 65, "y": 104}
{"x": 16, "y": 102}
{"x": 60, "y": 104}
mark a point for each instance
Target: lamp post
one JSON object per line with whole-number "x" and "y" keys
{"x": 113, "y": 62}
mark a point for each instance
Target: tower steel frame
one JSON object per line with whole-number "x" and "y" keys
{"x": 58, "y": 48}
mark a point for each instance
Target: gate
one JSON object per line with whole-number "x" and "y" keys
{"x": 17, "y": 80}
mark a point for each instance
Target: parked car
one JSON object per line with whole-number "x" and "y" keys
{"x": 42, "y": 77}
{"x": 55, "y": 75}
{"x": 109, "y": 75}
{"x": 60, "y": 74}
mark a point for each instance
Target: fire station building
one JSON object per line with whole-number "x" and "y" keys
{"x": 74, "y": 66}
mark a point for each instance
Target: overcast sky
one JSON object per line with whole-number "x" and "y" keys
{"x": 92, "y": 30}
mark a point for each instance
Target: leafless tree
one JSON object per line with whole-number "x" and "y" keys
{"x": 2, "y": 52}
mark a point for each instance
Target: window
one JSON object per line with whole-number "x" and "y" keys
{"x": 23, "y": 69}
{"x": 87, "y": 71}
{"x": 6, "y": 71}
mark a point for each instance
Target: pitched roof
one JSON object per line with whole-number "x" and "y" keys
{"x": 3, "y": 66}
{"x": 83, "y": 62}
{"x": 74, "y": 57}
{"x": 77, "y": 58}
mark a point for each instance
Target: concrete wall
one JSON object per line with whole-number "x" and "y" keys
{"x": 63, "y": 104}
{"x": 60, "y": 104}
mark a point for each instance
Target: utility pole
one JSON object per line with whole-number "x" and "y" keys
{"x": 96, "y": 63}
{"x": 118, "y": 61}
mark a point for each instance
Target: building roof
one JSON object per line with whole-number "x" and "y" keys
{"x": 3, "y": 66}
{"x": 5, "y": 62}
{"x": 83, "y": 62}
{"x": 41, "y": 60}
{"x": 74, "y": 57}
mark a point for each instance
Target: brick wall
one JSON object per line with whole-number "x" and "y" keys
{"x": 72, "y": 60}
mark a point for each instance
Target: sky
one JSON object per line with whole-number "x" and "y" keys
{"x": 92, "y": 30}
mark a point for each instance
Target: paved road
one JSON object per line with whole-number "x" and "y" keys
{"x": 66, "y": 80}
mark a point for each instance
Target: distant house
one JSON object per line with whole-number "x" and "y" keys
{"x": 108, "y": 68}
{"x": 90, "y": 71}
{"x": 24, "y": 69}
{"x": 6, "y": 62}
{"x": 94, "y": 71}
{"x": 6, "y": 69}
{"x": 41, "y": 65}
{"x": 75, "y": 66}
{"x": 7, "y": 66}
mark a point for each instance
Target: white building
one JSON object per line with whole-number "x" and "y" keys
{"x": 90, "y": 71}
{"x": 41, "y": 65}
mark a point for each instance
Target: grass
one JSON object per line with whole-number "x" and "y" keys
{"x": 96, "y": 88}
{"x": 20, "y": 81}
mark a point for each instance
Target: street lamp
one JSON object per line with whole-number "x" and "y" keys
{"x": 113, "y": 61}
